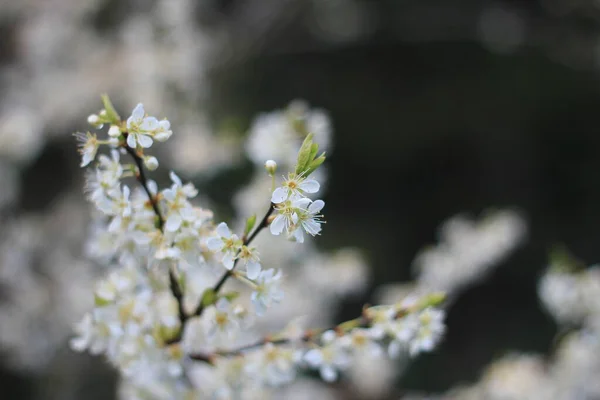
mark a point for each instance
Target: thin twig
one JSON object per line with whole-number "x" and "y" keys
{"x": 263, "y": 224}
{"x": 160, "y": 222}
{"x": 141, "y": 177}
{"x": 307, "y": 336}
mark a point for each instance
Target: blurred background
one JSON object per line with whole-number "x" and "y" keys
{"x": 438, "y": 108}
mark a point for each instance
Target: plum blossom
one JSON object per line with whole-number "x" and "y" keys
{"x": 267, "y": 290}
{"x": 178, "y": 208}
{"x": 88, "y": 147}
{"x": 140, "y": 128}
{"x": 299, "y": 213}
{"x": 226, "y": 243}
{"x": 330, "y": 358}
{"x": 294, "y": 186}
{"x": 430, "y": 330}
{"x": 250, "y": 259}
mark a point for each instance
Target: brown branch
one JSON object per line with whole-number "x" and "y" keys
{"x": 141, "y": 177}
{"x": 160, "y": 222}
{"x": 308, "y": 336}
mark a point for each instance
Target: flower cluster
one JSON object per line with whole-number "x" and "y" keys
{"x": 163, "y": 315}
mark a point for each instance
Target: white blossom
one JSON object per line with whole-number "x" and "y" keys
{"x": 178, "y": 207}
{"x": 297, "y": 215}
{"x": 330, "y": 358}
{"x": 226, "y": 243}
{"x": 431, "y": 328}
{"x": 223, "y": 322}
{"x": 267, "y": 290}
{"x": 88, "y": 147}
{"x": 140, "y": 128}
{"x": 294, "y": 186}
{"x": 275, "y": 365}
{"x": 250, "y": 259}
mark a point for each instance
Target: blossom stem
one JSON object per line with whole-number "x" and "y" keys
{"x": 247, "y": 240}
{"x": 141, "y": 177}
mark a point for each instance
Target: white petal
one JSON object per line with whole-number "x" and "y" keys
{"x": 163, "y": 136}
{"x": 174, "y": 369}
{"x": 298, "y": 235}
{"x": 310, "y": 186}
{"x": 164, "y": 124}
{"x": 223, "y": 230}
{"x": 259, "y": 306}
{"x": 173, "y": 222}
{"x": 189, "y": 190}
{"x": 228, "y": 260}
{"x": 301, "y": 202}
{"x": 316, "y": 206}
{"x": 222, "y": 304}
{"x": 149, "y": 124}
{"x": 252, "y": 270}
{"x": 145, "y": 141}
{"x": 175, "y": 178}
{"x": 214, "y": 243}
{"x": 328, "y": 336}
{"x": 130, "y": 122}
{"x": 376, "y": 332}
{"x": 169, "y": 194}
{"x": 131, "y": 142}
{"x": 279, "y": 195}
{"x": 138, "y": 112}
{"x": 314, "y": 357}
{"x": 277, "y": 225}
{"x": 78, "y": 344}
{"x": 141, "y": 238}
{"x": 152, "y": 186}
{"x": 86, "y": 159}
{"x": 188, "y": 213}
{"x": 313, "y": 228}
{"x": 328, "y": 373}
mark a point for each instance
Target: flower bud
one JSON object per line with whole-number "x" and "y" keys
{"x": 271, "y": 167}
{"x": 94, "y": 120}
{"x": 114, "y": 131}
{"x": 151, "y": 162}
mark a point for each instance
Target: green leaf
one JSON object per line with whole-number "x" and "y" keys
{"x": 304, "y": 154}
{"x": 209, "y": 297}
{"x": 231, "y": 296}
{"x": 314, "y": 164}
{"x": 250, "y": 222}
{"x": 432, "y": 300}
{"x": 111, "y": 114}
{"x": 314, "y": 149}
{"x": 100, "y": 302}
